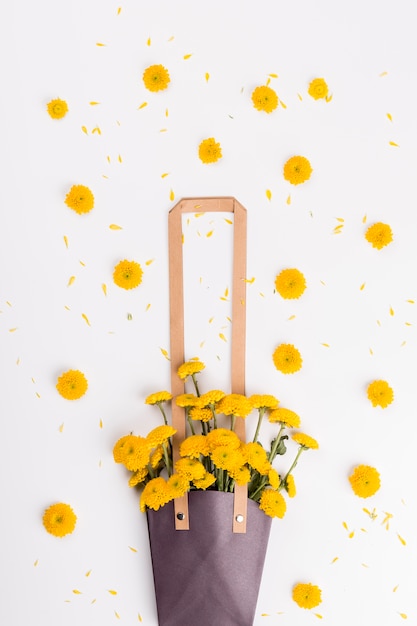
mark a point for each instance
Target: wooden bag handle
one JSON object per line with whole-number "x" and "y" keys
{"x": 176, "y": 291}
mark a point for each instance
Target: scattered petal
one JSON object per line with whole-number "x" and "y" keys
{"x": 351, "y": 535}
{"x": 222, "y": 337}
{"x": 83, "y": 315}
{"x": 76, "y": 591}
{"x": 101, "y": 423}
{"x": 115, "y": 227}
{"x": 395, "y": 588}
{"x": 289, "y": 200}
{"x": 149, "y": 261}
{"x": 187, "y": 56}
{"x": 392, "y": 143}
{"x": 336, "y": 558}
{"x": 82, "y": 263}
{"x": 117, "y": 615}
{"x": 391, "y": 311}
{"x": 165, "y": 353}
{"x": 326, "y": 345}
{"x": 93, "y": 103}
{"x": 66, "y": 241}
{"x": 36, "y": 562}
{"x": 71, "y": 280}
{"x": 209, "y": 234}
{"x": 383, "y": 74}
{"x": 148, "y": 306}
{"x": 100, "y": 44}
{"x": 88, "y": 573}
{"x": 61, "y": 428}
{"x": 403, "y": 615}
{"x": 411, "y": 301}
{"x": 112, "y": 591}
{"x": 12, "y": 330}
{"x": 389, "y": 116}
{"x": 318, "y": 615}
{"x": 291, "y": 317}
{"x": 119, "y": 10}
{"x": 362, "y": 287}
{"x": 207, "y": 76}
{"x": 104, "y": 288}
{"x": 83, "y": 128}
{"x": 228, "y": 221}
{"x": 120, "y": 158}
{"x": 164, "y": 174}
{"x": 171, "y": 195}
{"x": 133, "y": 549}
{"x": 140, "y": 617}
{"x": 268, "y": 194}
{"x": 148, "y": 43}
{"x": 300, "y": 97}
{"x": 403, "y": 541}
{"x": 249, "y": 280}
{"x": 143, "y": 105}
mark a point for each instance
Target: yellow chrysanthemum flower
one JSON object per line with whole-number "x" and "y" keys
{"x": 241, "y": 475}
{"x": 205, "y": 482}
{"x": 379, "y": 235}
{"x": 201, "y": 414}
{"x": 290, "y": 487}
{"x": 264, "y": 99}
{"x": 80, "y": 199}
{"x": 57, "y": 108}
{"x": 189, "y": 368}
{"x": 160, "y": 435}
{"x": 211, "y": 397}
{"x": 72, "y": 385}
{"x": 132, "y": 451}
{"x": 209, "y": 150}
{"x": 177, "y": 486}
{"x": 284, "y": 416}
{"x": 305, "y": 441}
{"x": 263, "y": 401}
{"x": 306, "y": 595}
{"x": 365, "y": 481}
{"x": 156, "y": 78}
{"x": 256, "y": 457}
{"x": 156, "y": 457}
{"x": 227, "y": 458}
{"x": 297, "y": 170}
{"x": 159, "y": 396}
{"x": 273, "y": 478}
{"x": 187, "y": 400}
{"x": 272, "y": 503}
{"x": 223, "y": 437}
{"x": 290, "y": 284}
{"x": 189, "y": 468}
{"x": 59, "y": 519}
{"x": 127, "y": 274}
{"x": 380, "y": 393}
{"x": 138, "y": 477}
{"x": 287, "y": 359}
{"x": 194, "y": 446}
{"x": 234, "y": 404}
{"x": 154, "y": 495}
{"x": 318, "y": 88}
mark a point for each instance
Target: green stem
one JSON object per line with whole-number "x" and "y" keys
{"x": 163, "y": 413}
{"x": 261, "y": 412}
{"x": 233, "y": 421}
{"x": 274, "y": 448}
{"x": 195, "y": 384}
{"x": 166, "y": 458}
{"x": 301, "y": 448}
{"x": 190, "y": 422}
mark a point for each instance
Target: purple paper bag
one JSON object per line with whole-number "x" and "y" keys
{"x": 208, "y": 575}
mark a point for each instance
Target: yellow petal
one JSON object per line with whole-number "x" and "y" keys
{"x": 391, "y": 311}
{"x": 133, "y": 549}
{"x": 249, "y": 280}
{"x": 222, "y": 337}
{"x": 411, "y": 301}
{"x": 119, "y": 10}
{"x": 112, "y": 591}
{"x": 117, "y": 615}
{"x": 389, "y": 116}
{"x": 268, "y": 194}
{"x": 104, "y": 288}
{"x": 403, "y": 615}
{"x": 165, "y": 353}
{"x": 148, "y": 306}
{"x": 395, "y": 588}
{"x": 289, "y": 200}
{"x": 345, "y": 526}
{"x": 93, "y": 103}
{"x": 83, "y": 128}
{"x": 326, "y": 345}
{"x": 148, "y": 43}
{"x": 61, "y": 428}
{"x": 362, "y": 287}
{"x": 12, "y": 330}
{"x": 82, "y": 263}
{"x": 209, "y": 234}
{"x": 268, "y": 82}
{"x": 187, "y": 56}
{"x": 140, "y": 617}
{"x": 100, "y": 44}
{"x": 66, "y": 241}
{"x": 403, "y": 541}
{"x": 207, "y": 77}
{"x": 36, "y": 562}
{"x": 284, "y": 106}
{"x": 143, "y": 105}
{"x": 115, "y": 227}
{"x": 228, "y": 221}
{"x": 76, "y": 591}
{"x": 300, "y": 97}
{"x": 149, "y": 261}
{"x": 71, "y": 280}
{"x": 88, "y": 573}
{"x": 336, "y": 558}
{"x": 171, "y": 195}
{"x": 166, "y": 113}
{"x": 383, "y": 74}
{"x": 101, "y": 423}
{"x": 318, "y": 615}
{"x": 83, "y": 315}
{"x": 273, "y": 75}
{"x": 392, "y": 143}
{"x": 164, "y": 174}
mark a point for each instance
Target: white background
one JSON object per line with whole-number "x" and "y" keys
{"x": 55, "y": 450}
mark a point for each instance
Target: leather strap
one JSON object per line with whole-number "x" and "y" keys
{"x": 176, "y": 290}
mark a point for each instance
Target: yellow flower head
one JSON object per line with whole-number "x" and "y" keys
{"x": 209, "y": 150}
{"x": 156, "y": 78}
{"x": 290, "y": 284}
{"x": 297, "y": 170}
{"x": 160, "y": 435}
{"x": 155, "y": 494}
{"x": 177, "y": 486}
{"x": 272, "y": 503}
{"x": 72, "y": 385}
{"x": 223, "y": 437}
{"x": 273, "y": 478}
{"x": 205, "y": 482}
{"x": 189, "y": 368}
{"x": 57, "y": 108}
{"x": 194, "y": 446}
{"x": 138, "y": 477}
{"x": 211, "y": 397}
{"x": 305, "y": 441}
{"x": 264, "y": 99}
{"x": 127, "y": 274}
{"x": 241, "y": 475}
{"x": 284, "y": 416}
{"x": 227, "y": 458}
{"x": 201, "y": 414}
{"x": 290, "y": 486}
{"x": 132, "y": 451}
{"x": 306, "y": 595}
{"x": 234, "y": 404}
{"x": 380, "y": 393}
{"x": 256, "y": 457}
{"x": 287, "y": 359}
{"x": 318, "y": 88}
{"x": 263, "y": 401}
{"x": 159, "y": 396}
{"x": 186, "y": 400}
{"x": 379, "y": 235}
{"x": 59, "y": 519}
{"x": 365, "y": 481}
{"x": 80, "y": 199}
{"x": 156, "y": 456}
{"x": 189, "y": 468}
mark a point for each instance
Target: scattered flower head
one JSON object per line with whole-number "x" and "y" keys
{"x": 380, "y": 393}
{"x": 365, "y": 481}
{"x": 318, "y": 89}
{"x": 127, "y": 274}
{"x": 156, "y": 78}
{"x": 290, "y": 284}
{"x": 264, "y": 99}
{"x": 57, "y": 108}
{"x": 59, "y": 519}
{"x": 287, "y": 359}
{"x": 80, "y": 199}
{"x": 72, "y": 385}
{"x": 306, "y": 595}
{"x": 305, "y": 441}
{"x": 379, "y": 235}
{"x": 209, "y": 150}
{"x": 297, "y": 170}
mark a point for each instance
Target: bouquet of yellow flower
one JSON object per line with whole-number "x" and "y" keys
{"x": 212, "y": 457}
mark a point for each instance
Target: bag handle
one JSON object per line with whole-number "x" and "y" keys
{"x": 176, "y": 290}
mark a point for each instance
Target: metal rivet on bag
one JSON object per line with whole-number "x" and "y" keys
{"x": 180, "y": 516}
{"x": 239, "y": 518}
